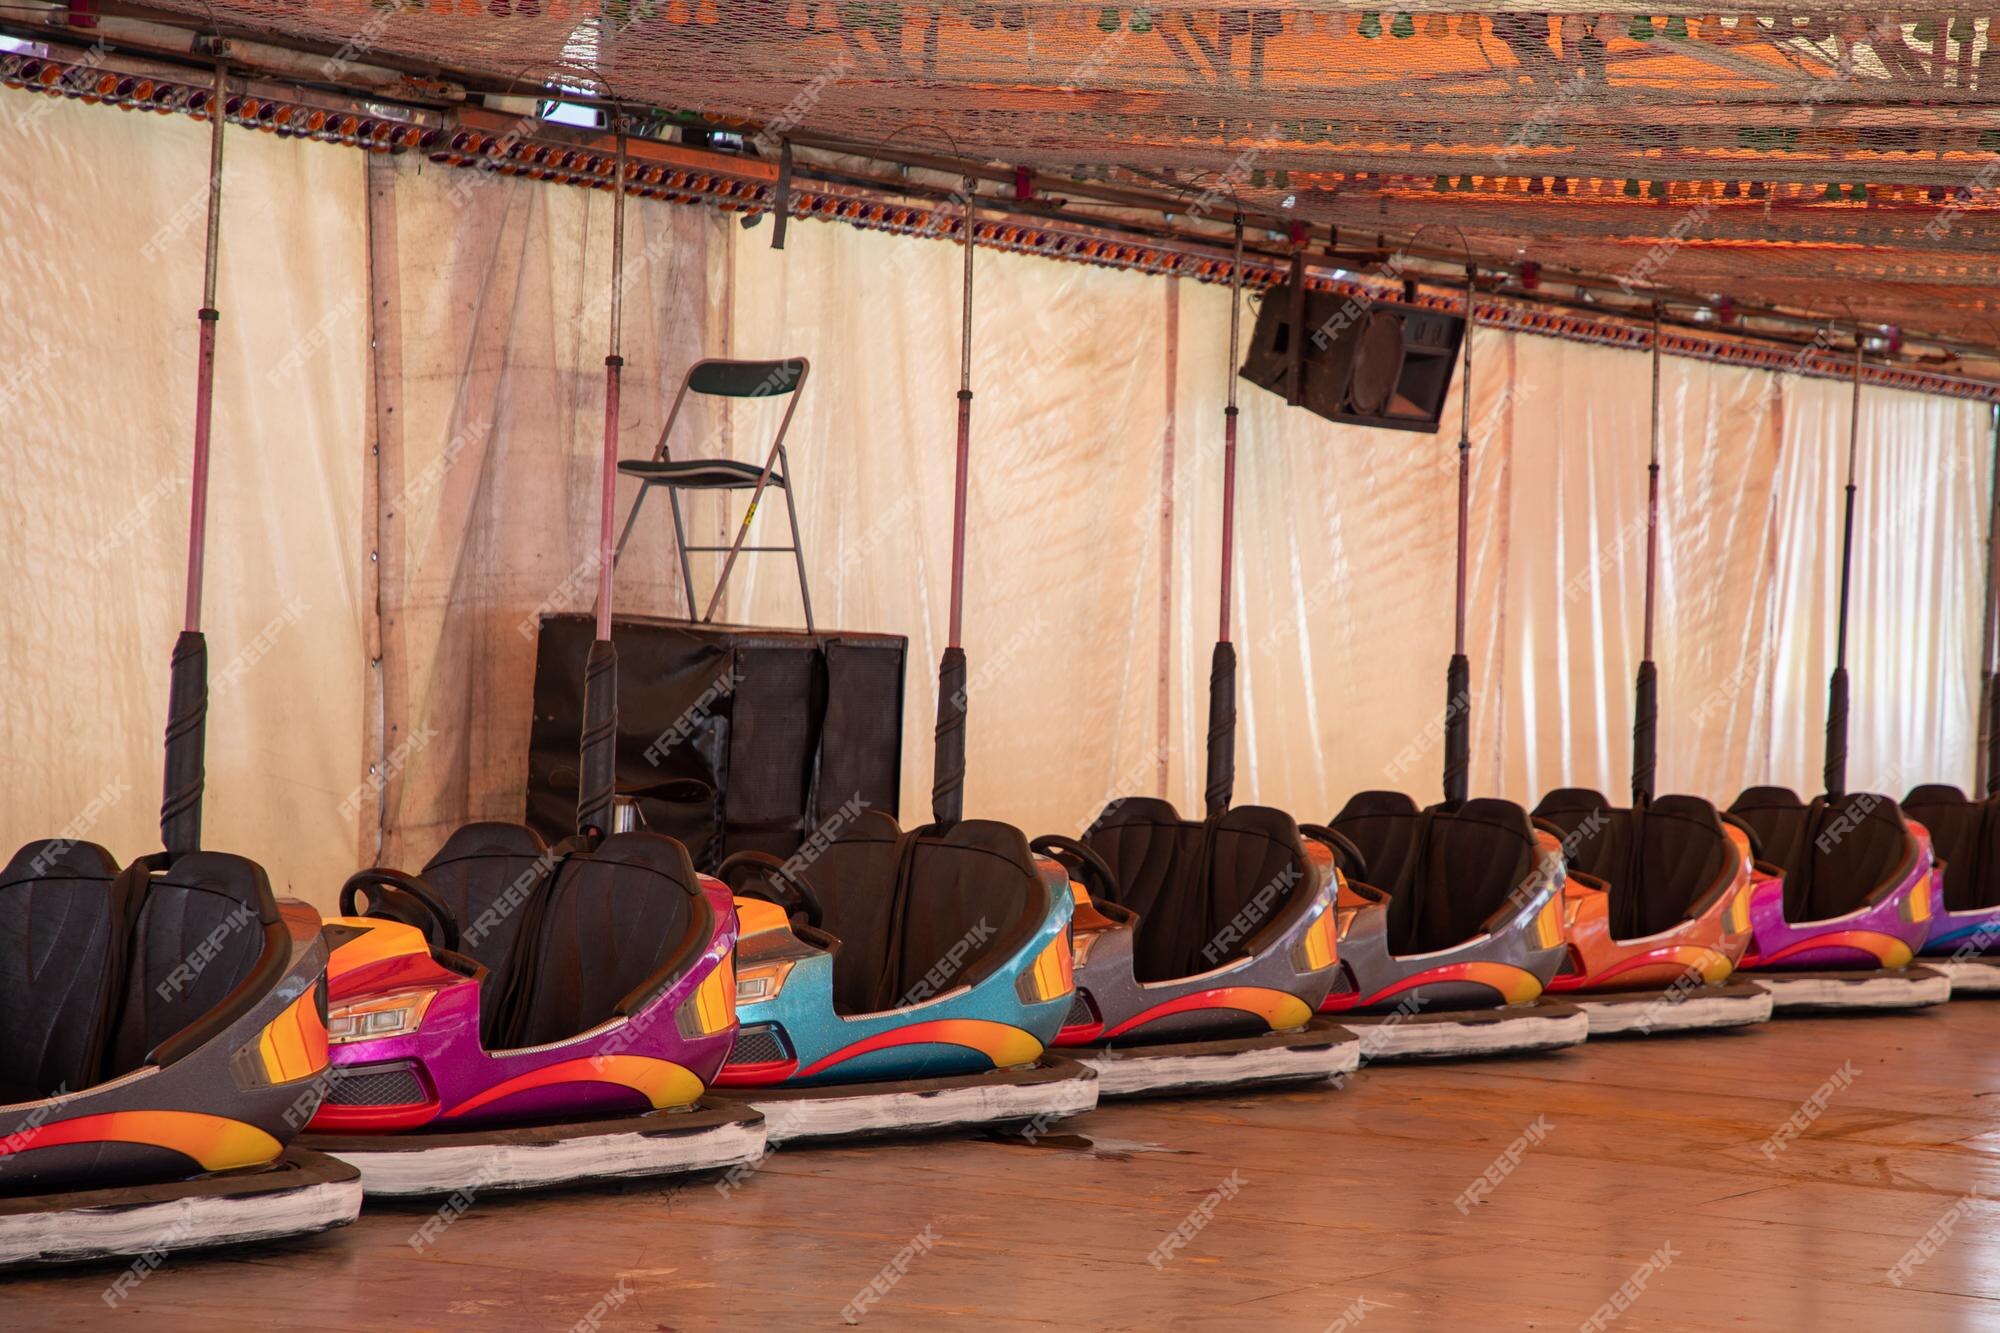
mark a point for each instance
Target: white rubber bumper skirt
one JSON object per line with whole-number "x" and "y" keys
{"x": 1734, "y": 1004}
{"x": 1054, "y": 1088}
{"x": 1512, "y": 1029}
{"x": 299, "y": 1194}
{"x": 712, "y": 1136}
{"x": 1973, "y": 976}
{"x": 1885, "y": 988}
{"x": 1311, "y": 1054}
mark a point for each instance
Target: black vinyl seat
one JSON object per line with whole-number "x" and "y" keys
{"x": 703, "y": 474}
{"x": 1188, "y": 880}
{"x": 1662, "y": 863}
{"x": 1965, "y": 835}
{"x": 564, "y": 938}
{"x": 613, "y": 927}
{"x": 1837, "y": 854}
{"x": 898, "y": 904}
{"x": 103, "y": 971}
{"x": 1448, "y": 873}
{"x": 62, "y": 945}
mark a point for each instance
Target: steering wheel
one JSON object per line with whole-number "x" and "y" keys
{"x": 1564, "y": 842}
{"x": 1756, "y": 843}
{"x": 387, "y": 888}
{"x": 774, "y": 884}
{"x": 1078, "y": 855}
{"x": 1344, "y": 848}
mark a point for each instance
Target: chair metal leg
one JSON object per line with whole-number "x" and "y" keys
{"x": 798, "y": 543}
{"x": 743, "y": 528}
{"x": 618, "y": 551}
{"x": 681, "y": 545}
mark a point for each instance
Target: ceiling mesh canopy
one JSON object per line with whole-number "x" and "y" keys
{"x": 1838, "y": 160}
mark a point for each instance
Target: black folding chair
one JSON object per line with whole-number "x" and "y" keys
{"x": 725, "y": 379}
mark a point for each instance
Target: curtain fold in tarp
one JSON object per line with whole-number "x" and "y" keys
{"x": 409, "y": 414}
{"x": 104, "y": 217}
{"x": 493, "y": 300}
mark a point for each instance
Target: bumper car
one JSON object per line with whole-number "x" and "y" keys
{"x": 161, "y": 1026}
{"x": 892, "y": 982}
{"x": 1203, "y": 949}
{"x": 1657, "y": 910}
{"x": 1841, "y": 904}
{"x": 1450, "y": 929}
{"x": 520, "y": 1016}
{"x": 162, "y": 1044}
{"x": 1965, "y": 838}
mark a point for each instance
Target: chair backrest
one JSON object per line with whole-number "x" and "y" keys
{"x": 62, "y": 946}
{"x": 1836, "y": 854}
{"x": 206, "y": 943}
{"x": 489, "y": 875}
{"x": 970, "y": 899}
{"x": 1446, "y": 871}
{"x": 747, "y": 379}
{"x": 1383, "y": 826}
{"x": 1191, "y": 880}
{"x": 1965, "y": 835}
{"x": 1659, "y": 862}
{"x": 493, "y": 878}
{"x": 614, "y": 919}
{"x": 854, "y": 877}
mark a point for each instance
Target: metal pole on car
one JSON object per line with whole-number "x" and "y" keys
{"x": 1458, "y": 675}
{"x": 597, "y": 770}
{"x": 1836, "y": 697}
{"x": 1222, "y": 665}
{"x": 1646, "y": 701}
{"x": 948, "y": 766}
{"x": 187, "y": 695}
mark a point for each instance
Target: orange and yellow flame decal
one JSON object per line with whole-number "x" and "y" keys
{"x": 1054, "y": 972}
{"x": 1002, "y": 1043}
{"x": 661, "y": 1082}
{"x": 1917, "y": 903}
{"x": 714, "y": 1001}
{"x": 293, "y": 1045}
{"x": 215, "y": 1142}
{"x": 1278, "y": 1009}
{"x": 1321, "y": 943}
{"x": 754, "y": 916}
{"x": 1514, "y": 985}
{"x": 1681, "y": 960}
{"x": 378, "y": 940}
{"x": 1890, "y": 950}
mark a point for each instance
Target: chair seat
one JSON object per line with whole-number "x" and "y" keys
{"x": 712, "y": 474}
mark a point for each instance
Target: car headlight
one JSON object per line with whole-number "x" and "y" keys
{"x": 383, "y": 1016}
{"x": 762, "y": 983}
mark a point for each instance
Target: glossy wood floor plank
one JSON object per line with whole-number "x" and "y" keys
{"x": 1650, "y": 1163}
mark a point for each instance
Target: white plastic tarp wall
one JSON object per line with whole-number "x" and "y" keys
{"x": 409, "y": 406}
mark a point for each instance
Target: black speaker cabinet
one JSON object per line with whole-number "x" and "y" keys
{"x": 730, "y": 739}
{"x": 1366, "y": 363}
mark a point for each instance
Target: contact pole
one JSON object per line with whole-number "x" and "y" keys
{"x": 948, "y": 759}
{"x": 1222, "y": 664}
{"x": 1836, "y": 699}
{"x": 597, "y": 771}
{"x": 1458, "y": 675}
{"x": 1646, "y": 701}
{"x": 187, "y": 692}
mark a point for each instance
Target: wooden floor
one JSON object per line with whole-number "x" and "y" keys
{"x": 1342, "y": 1210}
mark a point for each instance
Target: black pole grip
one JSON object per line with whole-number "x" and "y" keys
{"x": 1645, "y": 732}
{"x": 597, "y": 770}
{"x": 948, "y": 769}
{"x": 1457, "y": 729}
{"x": 1221, "y": 728}
{"x": 1993, "y": 735}
{"x": 1836, "y": 734}
{"x": 187, "y": 746}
